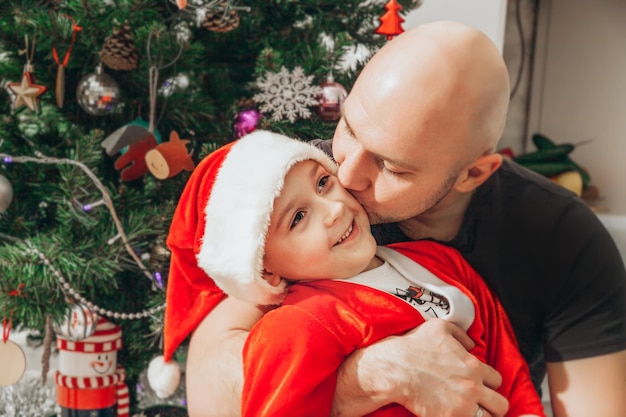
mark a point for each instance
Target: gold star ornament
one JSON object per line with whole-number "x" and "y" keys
{"x": 26, "y": 93}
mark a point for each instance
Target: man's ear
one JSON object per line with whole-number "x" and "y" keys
{"x": 478, "y": 171}
{"x": 271, "y": 278}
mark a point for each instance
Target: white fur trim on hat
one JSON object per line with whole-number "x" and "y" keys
{"x": 239, "y": 208}
{"x": 163, "y": 377}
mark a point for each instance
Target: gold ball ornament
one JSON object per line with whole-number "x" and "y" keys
{"x": 159, "y": 256}
{"x": 6, "y": 194}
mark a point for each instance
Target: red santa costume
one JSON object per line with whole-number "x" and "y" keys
{"x": 292, "y": 354}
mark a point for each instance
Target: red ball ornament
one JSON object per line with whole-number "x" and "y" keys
{"x": 330, "y": 100}
{"x": 246, "y": 121}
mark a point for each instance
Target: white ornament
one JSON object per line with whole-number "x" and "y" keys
{"x": 79, "y": 323}
{"x": 163, "y": 377}
{"x": 6, "y": 194}
{"x": 287, "y": 94}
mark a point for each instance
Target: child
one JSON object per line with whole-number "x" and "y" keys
{"x": 267, "y": 220}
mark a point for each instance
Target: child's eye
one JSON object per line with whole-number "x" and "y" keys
{"x": 296, "y": 219}
{"x": 322, "y": 183}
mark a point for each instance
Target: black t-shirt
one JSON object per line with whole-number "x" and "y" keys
{"x": 550, "y": 261}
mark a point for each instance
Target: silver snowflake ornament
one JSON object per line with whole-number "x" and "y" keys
{"x": 287, "y": 94}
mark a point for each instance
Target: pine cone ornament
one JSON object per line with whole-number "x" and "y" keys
{"x": 221, "y": 19}
{"x": 119, "y": 51}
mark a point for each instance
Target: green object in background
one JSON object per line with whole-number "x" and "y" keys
{"x": 551, "y": 159}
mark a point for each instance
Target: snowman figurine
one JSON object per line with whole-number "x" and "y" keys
{"x": 89, "y": 382}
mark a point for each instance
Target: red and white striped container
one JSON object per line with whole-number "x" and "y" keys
{"x": 89, "y": 382}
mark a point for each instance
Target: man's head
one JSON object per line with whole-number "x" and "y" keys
{"x": 422, "y": 121}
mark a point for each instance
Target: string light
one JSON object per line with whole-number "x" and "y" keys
{"x": 89, "y": 207}
{"x": 40, "y": 158}
{"x": 113, "y": 239}
{"x": 159, "y": 279}
{"x": 69, "y": 290}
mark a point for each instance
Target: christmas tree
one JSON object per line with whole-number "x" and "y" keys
{"x": 105, "y": 108}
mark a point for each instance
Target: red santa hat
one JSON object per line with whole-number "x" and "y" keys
{"x": 217, "y": 235}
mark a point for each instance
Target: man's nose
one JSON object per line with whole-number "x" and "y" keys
{"x": 352, "y": 172}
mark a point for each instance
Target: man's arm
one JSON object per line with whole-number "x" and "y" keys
{"x": 428, "y": 370}
{"x": 214, "y": 375}
{"x": 589, "y": 387}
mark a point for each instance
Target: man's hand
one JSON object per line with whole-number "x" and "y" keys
{"x": 428, "y": 370}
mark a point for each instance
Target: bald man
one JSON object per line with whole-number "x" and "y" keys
{"x": 416, "y": 147}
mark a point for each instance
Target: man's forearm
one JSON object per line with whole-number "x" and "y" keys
{"x": 214, "y": 367}
{"x": 214, "y": 378}
{"x": 357, "y": 393}
{"x": 428, "y": 371}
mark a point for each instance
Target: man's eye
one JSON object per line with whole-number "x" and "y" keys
{"x": 387, "y": 170}
{"x": 347, "y": 129}
{"x": 322, "y": 183}
{"x": 296, "y": 219}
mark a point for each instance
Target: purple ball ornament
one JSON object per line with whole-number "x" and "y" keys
{"x": 330, "y": 100}
{"x": 246, "y": 121}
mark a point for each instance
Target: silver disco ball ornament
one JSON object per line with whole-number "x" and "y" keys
{"x": 6, "y": 194}
{"x": 98, "y": 93}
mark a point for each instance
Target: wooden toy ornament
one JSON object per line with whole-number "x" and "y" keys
{"x": 12, "y": 358}
{"x": 60, "y": 81}
{"x": 170, "y": 158}
{"x": 133, "y": 164}
{"x": 12, "y": 361}
{"x": 26, "y": 91}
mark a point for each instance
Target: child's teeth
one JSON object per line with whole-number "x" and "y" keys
{"x": 345, "y": 235}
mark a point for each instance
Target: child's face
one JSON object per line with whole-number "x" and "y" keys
{"x": 317, "y": 229}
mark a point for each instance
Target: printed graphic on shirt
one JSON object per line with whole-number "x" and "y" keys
{"x": 430, "y": 304}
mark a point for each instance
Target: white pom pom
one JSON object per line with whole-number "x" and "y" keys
{"x": 163, "y": 377}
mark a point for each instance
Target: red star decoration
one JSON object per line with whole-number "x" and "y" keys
{"x": 26, "y": 93}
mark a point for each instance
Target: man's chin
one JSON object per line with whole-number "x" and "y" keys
{"x": 377, "y": 219}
